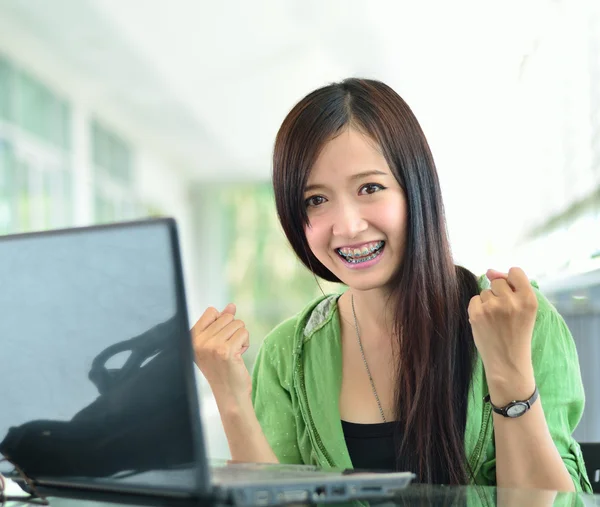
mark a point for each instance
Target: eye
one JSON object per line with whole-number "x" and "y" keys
{"x": 314, "y": 201}
{"x": 370, "y": 188}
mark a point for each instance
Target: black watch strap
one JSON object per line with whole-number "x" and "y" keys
{"x": 515, "y": 408}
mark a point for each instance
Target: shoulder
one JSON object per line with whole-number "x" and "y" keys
{"x": 294, "y": 331}
{"x": 284, "y": 344}
{"x": 552, "y": 338}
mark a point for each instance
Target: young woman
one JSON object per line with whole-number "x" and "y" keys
{"x": 414, "y": 367}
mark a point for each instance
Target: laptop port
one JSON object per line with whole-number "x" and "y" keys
{"x": 294, "y": 495}
{"x": 370, "y": 489}
{"x": 261, "y": 498}
{"x": 320, "y": 491}
{"x": 338, "y": 490}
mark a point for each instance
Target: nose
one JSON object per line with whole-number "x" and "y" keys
{"x": 349, "y": 222}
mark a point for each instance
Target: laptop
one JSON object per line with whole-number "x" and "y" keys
{"x": 99, "y": 395}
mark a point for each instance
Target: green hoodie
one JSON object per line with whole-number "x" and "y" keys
{"x": 297, "y": 377}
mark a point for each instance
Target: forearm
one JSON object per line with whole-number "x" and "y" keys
{"x": 526, "y": 456}
{"x": 246, "y": 439}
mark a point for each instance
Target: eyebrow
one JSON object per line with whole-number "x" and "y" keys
{"x": 354, "y": 177}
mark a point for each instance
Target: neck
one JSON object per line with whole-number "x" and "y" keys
{"x": 374, "y": 312}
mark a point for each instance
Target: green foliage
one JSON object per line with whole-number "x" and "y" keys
{"x": 265, "y": 279}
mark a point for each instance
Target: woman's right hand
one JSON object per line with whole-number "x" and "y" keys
{"x": 219, "y": 340}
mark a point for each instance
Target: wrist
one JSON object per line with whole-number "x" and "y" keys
{"x": 504, "y": 388}
{"x": 234, "y": 408}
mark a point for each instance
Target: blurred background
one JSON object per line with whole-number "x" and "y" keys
{"x": 120, "y": 109}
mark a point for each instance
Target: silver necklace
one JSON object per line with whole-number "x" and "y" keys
{"x": 362, "y": 353}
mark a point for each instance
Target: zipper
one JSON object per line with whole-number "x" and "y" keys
{"x": 309, "y": 414}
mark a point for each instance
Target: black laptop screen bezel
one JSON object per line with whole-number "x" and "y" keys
{"x": 62, "y": 487}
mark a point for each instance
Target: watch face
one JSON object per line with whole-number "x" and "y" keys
{"x": 516, "y": 410}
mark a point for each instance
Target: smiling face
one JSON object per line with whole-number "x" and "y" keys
{"x": 356, "y": 211}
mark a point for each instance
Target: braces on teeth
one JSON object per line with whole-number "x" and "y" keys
{"x": 374, "y": 252}
{"x": 365, "y": 259}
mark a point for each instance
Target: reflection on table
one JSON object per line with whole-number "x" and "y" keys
{"x": 423, "y": 495}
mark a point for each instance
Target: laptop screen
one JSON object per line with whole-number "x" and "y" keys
{"x": 96, "y": 376}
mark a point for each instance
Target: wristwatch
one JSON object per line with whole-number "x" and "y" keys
{"x": 514, "y": 408}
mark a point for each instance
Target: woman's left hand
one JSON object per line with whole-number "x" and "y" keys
{"x": 502, "y": 319}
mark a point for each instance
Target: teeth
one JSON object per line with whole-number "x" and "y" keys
{"x": 362, "y": 259}
{"x": 350, "y": 253}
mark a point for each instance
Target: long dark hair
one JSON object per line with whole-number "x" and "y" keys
{"x": 435, "y": 346}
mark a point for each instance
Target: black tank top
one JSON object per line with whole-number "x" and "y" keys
{"x": 371, "y": 446}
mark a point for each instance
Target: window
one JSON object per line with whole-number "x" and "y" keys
{"x": 6, "y": 89}
{"x": 264, "y": 277}
{"x": 42, "y": 186}
{"x": 35, "y": 172}
{"x": 41, "y": 112}
{"x": 112, "y": 160}
{"x": 7, "y": 188}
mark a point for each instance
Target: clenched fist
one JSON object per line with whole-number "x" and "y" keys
{"x": 219, "y": 340}
{"x": 502, "y": 319}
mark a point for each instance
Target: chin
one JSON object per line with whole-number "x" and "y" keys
{"x": 366, "y": 285}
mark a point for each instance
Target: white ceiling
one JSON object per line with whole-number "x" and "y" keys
{"x": 210, "y": 82}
